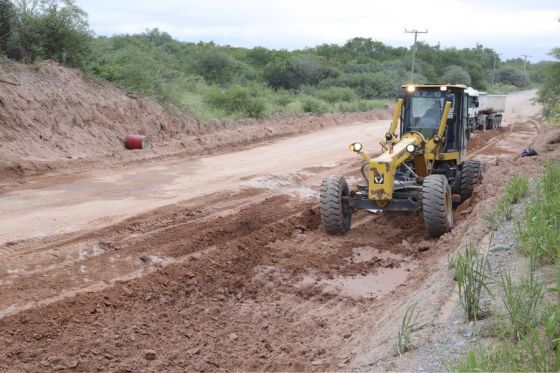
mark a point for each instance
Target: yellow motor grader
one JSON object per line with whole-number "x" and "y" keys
{"x": 420, "y": 167}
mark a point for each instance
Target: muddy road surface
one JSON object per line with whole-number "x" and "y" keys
{"x": 220, "y": 263}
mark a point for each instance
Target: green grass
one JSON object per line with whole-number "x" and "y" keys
{"x": 531, "y": 321}
{"x": 404, "y": 341}
{"x": 539, "y": 230}
{"x": 522, "y": 300}
{"x": 472, "y": 276}
{"x": 516, "y": 189}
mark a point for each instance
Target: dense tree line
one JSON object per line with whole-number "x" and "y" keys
{"x": 208, "y": 80}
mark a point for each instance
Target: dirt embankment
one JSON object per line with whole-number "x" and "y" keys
{"x": 50, "y": 115}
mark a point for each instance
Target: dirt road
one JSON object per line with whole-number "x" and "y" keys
{"x": 106, "y": 196}
{"x": 219, "y": 263}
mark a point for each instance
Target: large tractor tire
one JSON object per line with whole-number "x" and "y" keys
{"x": 471, "y": 174}
{"x": 437, "y": 205}
{"x": 336, "y": 212}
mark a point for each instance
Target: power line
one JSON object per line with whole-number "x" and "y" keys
{"x": 415, "y": 32}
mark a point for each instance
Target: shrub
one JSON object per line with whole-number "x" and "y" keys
{"x": 513, "y": 76}
{"x": 337, "y": 94}
{"x": 236, "y": 100}
{"x": 56, "y": 30}
{"x": 215, "y": 66}
{"x": 502, "y": 88}
{"x": 297, "y": 71}
{"x": 359, "y": 105}
{"x": 283, "y": 98}
{"x": 313, "y": 105}
{"x": 456, "y": 75}
{"x": 366, "y": 85}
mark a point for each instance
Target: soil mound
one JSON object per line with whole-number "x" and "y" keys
{"x": 50, "y": 114}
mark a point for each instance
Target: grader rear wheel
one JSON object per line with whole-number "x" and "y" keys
{"x": 437, "y": 206}
{"x": 471, "y": 174}
{"x": 336, "y": 212}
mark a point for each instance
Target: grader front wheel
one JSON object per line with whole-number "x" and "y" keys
{"x": 437, "y": 206}
{"x": 336, "y": 212}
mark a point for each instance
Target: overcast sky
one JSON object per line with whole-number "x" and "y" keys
{"x": 513, "y": 28}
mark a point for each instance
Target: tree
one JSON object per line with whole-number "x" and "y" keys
{"x": 297, "y": 71}
{"x": 366, "y": 85}
{"x": 215, "y": 66}
{"x": 49, "y": 29}
{"x": 456, "y": 75}
{"x": 7, "y": 17}
{"x": 513, "y": 76}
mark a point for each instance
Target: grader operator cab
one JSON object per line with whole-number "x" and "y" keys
{"x": 420, "y": 167}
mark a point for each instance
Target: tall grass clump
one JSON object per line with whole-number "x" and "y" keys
{"x": 516, "y": 188}
{"x": 472, "y": 275}
{"x": 521, "y": 300}
{"x": 408, "y": 323}
{"x": 539, "y": 230}
{"x": 532, "y": 307}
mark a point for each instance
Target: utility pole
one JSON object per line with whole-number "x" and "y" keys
{"x": 525, "y": 60}
{"x": 494, "y": 67}
{"x": 415, "y": 32}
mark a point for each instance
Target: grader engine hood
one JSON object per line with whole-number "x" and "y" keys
{"x": 382, "y": 168}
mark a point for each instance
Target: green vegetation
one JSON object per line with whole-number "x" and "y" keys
{"x": 530, "y": 336}
{"x": 44, "y": 29}
{"x": 539, "y": 231}
{"x": 521, "y": 300}
{"x": 211, "y": 81}
{"x": 516, "y": 188}
{"x": 549, "y": 92}
{"x": 404, "y": 342}
{"x": 472, "y": 275}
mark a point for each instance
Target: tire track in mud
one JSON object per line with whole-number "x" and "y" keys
{"x": 258, "y": 287}
{"x": 254, "y": 266}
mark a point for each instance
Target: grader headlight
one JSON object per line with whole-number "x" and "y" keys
{"x": 356, "y": 147}
{"x": 410, "y": 148}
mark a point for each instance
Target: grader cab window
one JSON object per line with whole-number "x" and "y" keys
{"x": 423, "y": 112}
